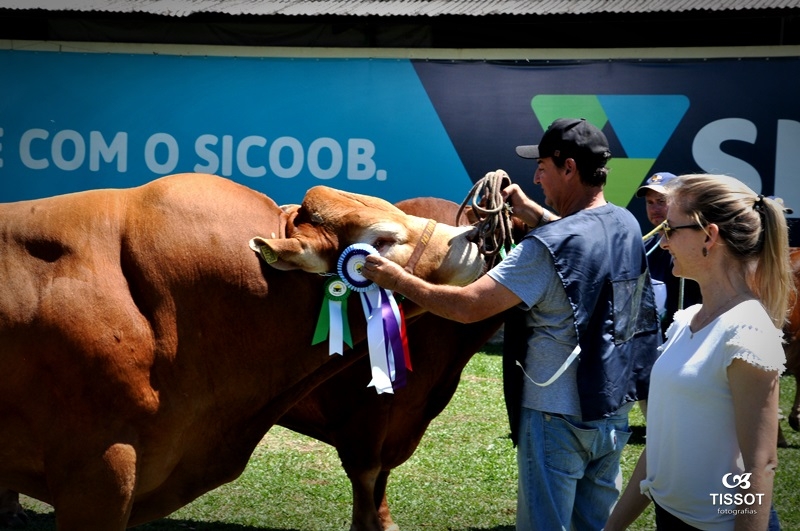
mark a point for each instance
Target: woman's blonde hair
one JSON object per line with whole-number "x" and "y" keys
{"x": 753, "y": 228}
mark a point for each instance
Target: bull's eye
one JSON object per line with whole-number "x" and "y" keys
{"x": 382, "y": 243}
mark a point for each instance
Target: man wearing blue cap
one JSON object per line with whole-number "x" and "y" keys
{"x": 672, "y": 293}
{"x": 588, "y": 336}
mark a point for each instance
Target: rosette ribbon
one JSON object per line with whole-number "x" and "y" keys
{"x": 388, "y": 345}
{"x": 332, "y": 321}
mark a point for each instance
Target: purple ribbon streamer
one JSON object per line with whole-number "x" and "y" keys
{"x": 391, "y": 332}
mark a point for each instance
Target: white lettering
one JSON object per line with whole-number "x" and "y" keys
{"x": 241, "y": 156}
{"x": 737, "y": 498}
{"x": 360, "y": 165}
{"x": 296, "y": 152}
{"x": 707, "y": 149}
{"x": 336, "y": 158}
{"x": 787, "y": 162}
{"x": 286, "y": 157}
{"x": 206, "y": 154}
{"x": 227, "y": 155}
{"x": 25, "y": 149}
{"x": 118, "y": 149}
{"x": 172, "y": 153}
{"x": 78, "y": 150}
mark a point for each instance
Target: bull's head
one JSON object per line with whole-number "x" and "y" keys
{"x": 330, "y": 220}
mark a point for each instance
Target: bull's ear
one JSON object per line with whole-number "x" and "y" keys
{"x": 270, "y": 249}
{"x": 287, "y": 254}
{"x": 282, "y": 251}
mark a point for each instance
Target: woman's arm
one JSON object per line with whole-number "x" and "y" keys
{"x": 755, "y": 405}
{"x": 632, "y": 503}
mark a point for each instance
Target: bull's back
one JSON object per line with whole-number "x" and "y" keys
{"x": 96, "y": 288}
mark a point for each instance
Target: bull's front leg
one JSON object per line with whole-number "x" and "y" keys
{"x": 385, "y": 516}
{"x": 365, "y": 513}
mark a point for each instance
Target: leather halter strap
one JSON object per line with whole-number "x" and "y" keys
{"x": 420, "y": 248}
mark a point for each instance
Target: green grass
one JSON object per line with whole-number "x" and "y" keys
{"x": 462, "y": 477}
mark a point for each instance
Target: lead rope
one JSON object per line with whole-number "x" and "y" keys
{"x": 493, "y": 215}
{"x": 681, "y": 281}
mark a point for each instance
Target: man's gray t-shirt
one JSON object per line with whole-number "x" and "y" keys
{"x": 528, "y": 271}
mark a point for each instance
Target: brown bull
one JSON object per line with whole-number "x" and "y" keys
{"x": 374, "y": 434}
{"x": 146, "y": 349}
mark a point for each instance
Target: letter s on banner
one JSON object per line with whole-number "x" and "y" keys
{"x": 707, "y": 150}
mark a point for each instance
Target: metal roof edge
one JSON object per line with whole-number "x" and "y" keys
{"x": 454, "y": 54}
{"x": 399, "y": 8}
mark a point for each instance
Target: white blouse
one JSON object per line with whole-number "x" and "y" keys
{"x": 691, "y": 437}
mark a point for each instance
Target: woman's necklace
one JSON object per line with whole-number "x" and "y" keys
{"x": 713, "y": 315}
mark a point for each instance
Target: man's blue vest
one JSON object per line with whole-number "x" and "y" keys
{"x": 600, "y": 258}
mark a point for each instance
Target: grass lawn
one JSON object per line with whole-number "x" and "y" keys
{"x": 462, "y": 477}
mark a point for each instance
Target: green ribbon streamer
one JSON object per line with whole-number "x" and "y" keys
{"x": 335, "y": 290}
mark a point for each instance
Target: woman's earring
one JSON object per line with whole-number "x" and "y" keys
{"x": 705, "y": 251}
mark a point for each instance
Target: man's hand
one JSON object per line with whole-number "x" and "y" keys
{"x": 383, "y": 272}
{"x": 524, "y": 208}
{"x": 514, "y": 195}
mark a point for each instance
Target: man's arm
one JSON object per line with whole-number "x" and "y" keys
{"x": 466, "y": 304}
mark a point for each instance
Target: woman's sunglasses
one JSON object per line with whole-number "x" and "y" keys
{"x": 666, "y": 230}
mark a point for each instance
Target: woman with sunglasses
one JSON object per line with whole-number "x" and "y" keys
{"x": 712, "y": 422}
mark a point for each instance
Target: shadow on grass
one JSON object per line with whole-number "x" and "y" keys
{"x": 47, "y": 521}
{"x": 41, "y": 521}
{"x": 169, "y": 524}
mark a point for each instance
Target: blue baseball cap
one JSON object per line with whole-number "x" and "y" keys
{"x": 656, "y": 182}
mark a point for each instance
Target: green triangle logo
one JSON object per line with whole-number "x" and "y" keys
{"x": 643, "y": 124}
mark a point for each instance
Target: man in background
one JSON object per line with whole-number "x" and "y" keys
{"x": 672, "y": 293}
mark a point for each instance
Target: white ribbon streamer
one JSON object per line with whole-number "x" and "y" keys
{"x": 371, "y": 303}
{"x": 336, "y": 337}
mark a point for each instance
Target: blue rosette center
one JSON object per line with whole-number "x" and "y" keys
{"x": 350, "y": 264}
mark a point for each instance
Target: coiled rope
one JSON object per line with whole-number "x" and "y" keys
{"x": 492, "y": 213}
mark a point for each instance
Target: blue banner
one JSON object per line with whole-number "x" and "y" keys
{"x": 74, "y": 121}
{"x": 740, "y": 117}
{"x": 393, "y": 128}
